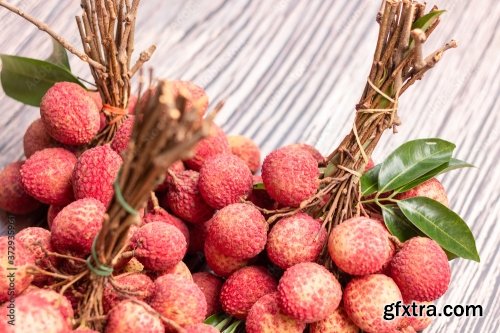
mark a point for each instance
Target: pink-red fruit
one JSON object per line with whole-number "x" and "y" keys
{"x": 310, "y": 149}
{"x": 308, "y": 292}
{"x": 36, "y": 138}
{"x": 14, "y": 276}
{"x": 220, "y": 263}
{"x": 13, "y": 197}
{"x": 210, "y": 285}
{"x": 245, "y": 149}
{"x": 285, "y": 164}
{"x": 46, "y": 176}
{"x": 336, "y": 322}
{"x": 37, "y": 241}
{"x": 123, "y": 135}
{"x": 55, "y": 300}
{"x": 159, "y": 214}
{"x": 139, "y": 285}
{"x": 421, "y": 270}
{"x": 129, "y": 316}
{"x": 365, "y": 300}
{"x": 201, "y": 328}
{"x": 214, "y": 144}
{"x": 360, "y": 246}
{"x": 69, "y": 114}
{"x": 431, "y": 188}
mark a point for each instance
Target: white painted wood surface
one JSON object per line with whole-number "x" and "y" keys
{"x": 293, "y": 70}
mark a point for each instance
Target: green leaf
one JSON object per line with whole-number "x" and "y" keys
{"x": 427, "y": 20}
{"x": 442, "y": 225}
{"x": 397, "y": 223}
{"x": 443, "y": 168}
{"x": 412, "y": 160}
{"x": 214, "y": 319}
{"x": 27, "y": 80}
{"x": 259, "y": 186}
{"x": 369, "y": 181}
{"x": 233, "y": 327}
{"x": 59, "y": 55}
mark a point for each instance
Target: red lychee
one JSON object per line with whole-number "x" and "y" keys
{"x": 220, "y": 263}
{"x": 96, "y": 97}
{"x": 132, "y": 316}
{"x": 243, "y": 288}
{"x": 69, "y": 114}
{"x": 13, "y": 197}
{"x": 36, "y": 138}
{"x": 37, "y": 241}
{"x": 76, "y": 226}
{"x": 46, "y": 176}
{"x": 175, "y": 168}
{"x": 285, "y": 164}
{"x": 336, "y": 322}
{"x": 14, "y": 268}
{"x": 365, "y": 300}
{"x": 95, "y": 173}
{"x": 360, "y": 246}
{"x": 308, "y": 292}
{"x": 417, "y": 323}
{"x": 158, "y": 246}
{"x": 201, "y": 328}
{"x": 210, "y": 285}
{"x": 431, "y": 188}
{"x": 320, "y": 159}
{"x": 421, "y": 270}
{"x": 123, "y": 135}
{"x": 295, "y": 239}
{"x": 159, "y": 214}
{"x": 245, "y": 149}
{"x": 238, "y": 230}
{"x": 180, "y": 269}
{"x": 55, "y": 300}
{"x": 265, "y": 316}
{"x": 224, "y": 179}
{"x": 139, "y": 285}
{"x": 52, "y": 213}
{"x": 184, "y": 199}
{"x": 195, "y": 95}
{"x": 216, "y": 143}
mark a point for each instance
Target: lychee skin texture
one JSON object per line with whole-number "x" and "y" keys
{"x": 421, "y": 270}
{"x": 95, "y": 173}
{"x": 179, "y": 299}
{"x": 210, "y": 285}
{"x": 36, "y": 138}
{"x": 52, "y": 213}
{"x": 295, "y": 239}
{"x": 55, "y": 300}
{"x": 96, "y": 97}
{"x": 201, "y": 328}
{"x": 308, "y": 292}
{"x": 243, "y": 288}
{"x": 245, "y": 149}
{"x": 128, "y": 316}
{"x": 37, "y": 241}
{"x": 284, "y": 164}
{"x": 214, "y": 144}
{"x": 431, "y": 188}
{"x": 180, "y": 269}
{"x": 360, "y": 246}
{"x": 32, "y": 314}
{"x": 23, "y": 258}
{"x": 221, "y": 264}
{"x": 417, "y": 323}
{"x": 224, "y": 179}
{"x": 46, "y": 176}
{"x": 175, "y": 167}
{"x": 76, "y": 226}
{"x": 13, "y": 197}
{"x": 69, "y": 114}
{"x": 238, "y": 230}
{"x": 365, "y": 299}
{"x": 161, "y": 215}
{"x": 184, "y": 199}
{"x": 158, "y": 246}
{"x": 139, "y": 284}
{"x": 123, "y": 135}
{"x": 310, "y": 149}
{"x": 336, "y": 322}
{"x": 265, "y": 316}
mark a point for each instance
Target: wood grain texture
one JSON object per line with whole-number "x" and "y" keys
{"x": 293, "y": 70}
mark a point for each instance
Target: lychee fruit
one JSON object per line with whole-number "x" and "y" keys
{"x": 214, "y": 144}
{"x": 37, "y": 241}
{"x": 365, "y": 300}
{"x": 69, "y": 114}
{"x": 36, "y": 138}
{"x": 14, "y": 268}
{"x": 159, "y": 214}
{"x": 123, "y": 135}
{"x": 158, "y": 246}
{"x": 285, "y": 164}
{"x": 175, "y": 168}
{"x": 210, "y": 285}
{"x": 421, "y": 270}
{"x": 13, "y": 197}
{"x": 52, "y": 213}
{"x": 184, "y": 199}
{"x": 265, "y": 316}
{"x": 417, "y": 323}
{"x": 95, "y": 173}
{"x": 31, "y": 314}
{"x": 431, "y": 188}
{"x": 180, "y": 269}
{"x": 136, "y": 285}
{"x": 337, "y": 322}
{"x": 201, "y": 328}
{"x": 320, "y": 159}
{"x": 75, "y": 227}
{"x": 243, "y": 288}
{"x": 245, "y": 149}
{"x": 238, "y": 230}
{"x": 96, "y": 97}
{"x": 224, "y": 179}
{"x": 295, "y": 239}
{"x": 55, "y": 300}
{"x": 220, "y": 263}
{"x": 132, "y": 102}
{"x": 132, "y": 316}
{"x": 179, "y": 299}
{"x": 308, "y": 292}
{"x": 195, "y": 95}
{"x": 46, "y": 176}
{"x": 360, "y": 246}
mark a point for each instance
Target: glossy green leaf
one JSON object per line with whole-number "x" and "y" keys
{"x": 214, "y": 319}
{"x": 233, "y": 327}
{"x": 412, "y": 160}
{"x": 453, "y": 164}
{"x": 442, "y": 225}
{"x": 427, "y": 20}
{"x": 59, "y": 56}
{"x": 369, "y": 181}
{"x": 27, "y": 80}
{"x": 397, "y": 223}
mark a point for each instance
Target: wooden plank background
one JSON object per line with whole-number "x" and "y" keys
{"x": 293, "y": 70}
